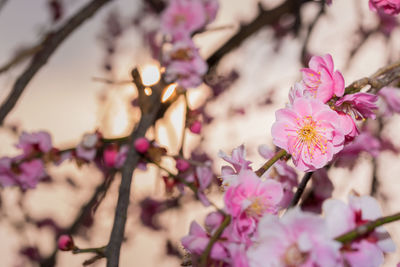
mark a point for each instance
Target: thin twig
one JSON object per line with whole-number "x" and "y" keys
{"x": 280, "y": 154}
{"x": 49, "y": 46}
{"x": 300, "y": 189}
{"x": 367, "y": 228}
{"x": 213, "y": 240}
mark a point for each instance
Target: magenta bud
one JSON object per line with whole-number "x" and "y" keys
{"x": 65, "y": 243}
{"x": 182, "y": 165}
{"x": 142, "y": 145}
{"x": 195, "y": 127}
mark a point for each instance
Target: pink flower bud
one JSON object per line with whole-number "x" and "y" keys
{"x": 182, "y": 165}
{"x": 142, "y": 145}
{"x": 109, "y": 156}
{"x": 195, "y": 127}
{"x": 65, "y": 243}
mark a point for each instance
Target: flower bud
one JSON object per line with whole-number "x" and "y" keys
{"x": 195, "y": 127}
{"x": 182, "y": 165}
{"x": 141, "y": 145}
{"x": 65, "y": 243}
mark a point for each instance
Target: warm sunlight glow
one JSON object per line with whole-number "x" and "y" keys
{"x": 148, "y": 91}
{"x": 120, "y": 117}
{"x": 168, "y": 91}
{"x": 150, "y": 75}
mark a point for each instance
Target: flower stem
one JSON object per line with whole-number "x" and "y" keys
{"x": 213, "y": 240}
{"x": 367, "y": 228}
{"x": 280, "y": 154}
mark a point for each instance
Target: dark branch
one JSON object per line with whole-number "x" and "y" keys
{"x": 150, "y": 107}
{"x": 49, "y": 46}
{"x": 300, "y": 189}
{"x": 264, "y": 18}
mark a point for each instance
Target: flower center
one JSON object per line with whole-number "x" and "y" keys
{"x": 256, "y": 208}
{"x": 294, "y": 257}
{"x": 179, "y": 19}
{"x": 308, "y": 135}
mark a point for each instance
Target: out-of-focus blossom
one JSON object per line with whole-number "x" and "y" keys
{"x": 365, "y": 142}
{"x": 297, "y": 239}
{"x": 29, "y": 173}
{"x": 359, "y": 105}
{"x": 320, "y": 79}
{"x": 204, "y": 177}
{"x": 250, "y": 199}
{"x": 238, "y": 161}
{"x": 295, "y": 92}
{"x": 341, "y": 218}
{"x": 141, "y": 145}
{"x": 184, "y": 64}
{"x": 321, "y": 189}
{"x": 6, "y": 174}
{"x": 34, "y": 142}
{"x": 310, "y": 131}
{"x": 391, "y": 98}
{"x": 282, "y": 173}
{"x": 87, "y": 148}
{"x": 211, "y": 8}
{"x": 387, "y": 23}
{"x": 391, "y": 7}
{"x": 183, "y": 17}
{"x": 65, "y": 243}
{"x": 197, "y": 240}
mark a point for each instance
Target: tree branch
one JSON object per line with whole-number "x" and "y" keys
{"x": 50, "y": 44}
{"x": 150, "y": 107}
{"x": 280, "y": 154}
{"x": 264, "y": 18}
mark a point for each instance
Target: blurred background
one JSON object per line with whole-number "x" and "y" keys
{"x": 68, "y": 97}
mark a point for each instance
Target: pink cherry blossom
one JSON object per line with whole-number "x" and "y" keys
{"x": 320, "y": 80}
{"x": 310, "y": 131}
{"x": 34, "y": 142}
{"x": 141, "y": 145}
{"x": 297, "y": 239}
{"x": 341, "y": 218}
{"x": 204, "y": 177}
{"x": 359, "y": 105}
{"x": 391, "y": 98}
{"x": 197, "y": 240}
{"x": 184, "y": 64}
{"x": 250, "y": 199}
{"x": 391, "y": 7}
{"x": 282, "y": 173}
{"x": 183, "y": 17}
{"x": 348, "y": 126}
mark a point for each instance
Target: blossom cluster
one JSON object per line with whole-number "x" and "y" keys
{"x": 256, "y": 236}
{"x": 320, "y": 118}
{"x": 180, "y": 56}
